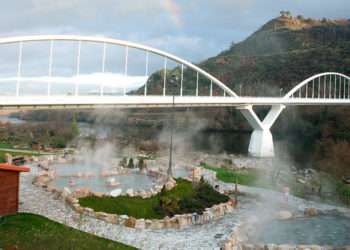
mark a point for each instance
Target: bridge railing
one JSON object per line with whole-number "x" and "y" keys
{"x": 165, "y": 80}
{"x": 328, "y": 85}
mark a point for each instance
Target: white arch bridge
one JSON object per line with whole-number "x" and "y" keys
{"x": 182, "y": 85}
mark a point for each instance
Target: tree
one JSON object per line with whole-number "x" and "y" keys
{"x": 131, "y": 163}
{"x": 141, "y": 164}
{"x": 123, "y": 162}
{"x": 74, "y": 126}
{"x": 300, "y": 17}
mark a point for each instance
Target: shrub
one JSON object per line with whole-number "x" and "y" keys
{"x": 131, "y": 163}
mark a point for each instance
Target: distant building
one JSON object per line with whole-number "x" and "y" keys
{"x": 9, "y": 188}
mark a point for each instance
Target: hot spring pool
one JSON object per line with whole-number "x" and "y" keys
{"x": 332, "y": 230}
{"x": 66, "y": 174}
{"x": 181, "y": 172}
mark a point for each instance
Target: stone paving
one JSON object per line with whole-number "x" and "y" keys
{"x": 208, "y": 236}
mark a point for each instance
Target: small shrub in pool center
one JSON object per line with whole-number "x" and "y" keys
{"x": 184, "y": 198}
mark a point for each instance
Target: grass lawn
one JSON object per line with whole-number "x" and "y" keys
{"x": 28, "y": 231}
{"x": 184, "y": 198}
{"x": 16, "y": 152}
{"x": 5, "y": 145}
{"x": 243, "y": 177}
{"x": 343, "y": 191}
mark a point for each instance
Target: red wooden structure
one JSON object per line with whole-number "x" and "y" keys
{"x": 9, "y": 187}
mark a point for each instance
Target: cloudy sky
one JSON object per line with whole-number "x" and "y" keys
{"x": 192, "y": 29}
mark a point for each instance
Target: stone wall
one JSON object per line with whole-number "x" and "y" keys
{"x": 175, "y": 222}
{"x": 178, "y": 221}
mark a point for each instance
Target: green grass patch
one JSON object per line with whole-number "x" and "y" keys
{"x": 28, "y": 231}
{"x": 343, "y": 191}
{"x": 184, "y": 198}
{"x": 5, "y": 145}
{"x": 3, "y": 153}
{"x": 247, "y": 177}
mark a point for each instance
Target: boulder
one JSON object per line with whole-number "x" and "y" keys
{"x": 140, "y": 224}
{"x": 170, "y": 184}
{"x": 98, "y": 194}
{"x": 284, "y": 215}
{"x": 66, "y": 192}
{"x": 81, "y": 192}
{"x": 182, "y": 220}
{"x": 157, "y": 224}
{"x": 101, "y": 215}
{"x": 167, "y": 222}
{"x": 148, "y": 223}
{"x": 130, "y": 222}
{"x": 77, "y": 208}
{"x": 130, "y": 192}
{"x": 112, "y": 218}
{"x": 310, "y": 212}
{"x": 196, "y": 174}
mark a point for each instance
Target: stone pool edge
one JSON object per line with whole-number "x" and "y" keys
{"x": 180, "y": 221}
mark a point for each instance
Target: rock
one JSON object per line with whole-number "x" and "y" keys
{"x": 89, "y": 211}
{"x": 102, "y": 216}
{"x": 112, "y": 218}
{"x": 140, "y": 224}
{"x": 284, "y": 215}
{"x": 124, "y": 217}
{"x": 66, "y": 192}
{"x": 112, "y": 182}
{"x": 196, "y": 174}
{"x": 227, "y": 245}
{"x": 50, "y": 188}
{"x": 182, "y": 221}
{"x": 130, "y": 222}
{"x": 41, "y": 180}
{"x": 346, "y": 180}
{"x": 170, "y": 184}
{"x": 301, "y": 181}
{"x": 148, "y": 223}
{"x": 130, "y": 192}
{"x": 310, "y": 212}
{"x": 167, "y": 222}
{"x": 8, "y": 158}
{"x": 81, "y": 192}
{"x": 157, "y": 224}
{"x": 98, "y": 194}
{"x": 116, "y": 192}
{"x": 78, "y": 208}
{"x": 143, "y": 194}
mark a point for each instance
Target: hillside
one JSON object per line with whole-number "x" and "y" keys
{"x": 283, "y": 52}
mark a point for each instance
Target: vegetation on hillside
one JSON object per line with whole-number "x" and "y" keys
{"x": 270, "y": 62}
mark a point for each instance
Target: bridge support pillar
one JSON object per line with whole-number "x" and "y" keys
{"x": 261, "y": 141}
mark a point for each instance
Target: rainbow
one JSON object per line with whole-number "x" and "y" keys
{"x": 173, "y": 8}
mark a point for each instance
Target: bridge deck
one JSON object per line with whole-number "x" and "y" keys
{"x": 155, "y": 101}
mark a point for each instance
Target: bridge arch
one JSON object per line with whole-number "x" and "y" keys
{"x": 126, "y": 44}
{"x": 328, "y": 85}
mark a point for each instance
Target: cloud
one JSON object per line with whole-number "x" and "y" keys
{"x": 205, "y": 25}
{"x": 109, "y": 80}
